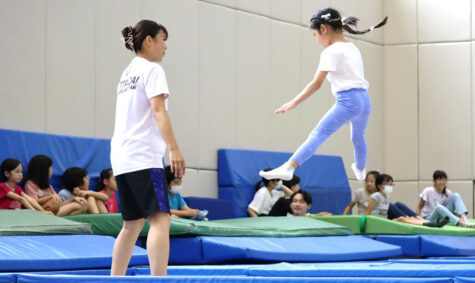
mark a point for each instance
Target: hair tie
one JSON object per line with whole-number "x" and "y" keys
{"x": 326, "y": 16}
{"x": 129, "y": 39}
{"x": 371, "y": 29}
{"x": 343, "y": 23}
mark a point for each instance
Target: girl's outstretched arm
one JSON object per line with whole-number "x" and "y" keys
{"x": 311, "y": 87}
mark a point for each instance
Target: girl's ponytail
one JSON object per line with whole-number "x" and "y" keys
{"x": 352, "y": 21}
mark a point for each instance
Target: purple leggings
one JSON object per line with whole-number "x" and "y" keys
{"x": 353, "y": 105}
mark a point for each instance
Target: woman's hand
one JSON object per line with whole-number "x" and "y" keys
{"x": 286, "y": 107}
{"x": 177, "y": 163}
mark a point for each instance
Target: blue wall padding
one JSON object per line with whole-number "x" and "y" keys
{"x": 217, "y": 208}
{"x": 224, "y": 249}
{"x": 410, "y": 245}
{"x": 30, "y": 278}
{"x": 323, "y": 176}
{"x": 65, "y": 151}
{"x": 432, "y": 245}
{"x": 36, "y": 253}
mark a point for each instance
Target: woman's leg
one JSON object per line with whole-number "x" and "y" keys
{"x": 394, "y": 212}
{"x": 91, "y": 202}
{"x": 440, "y": 212}
{"x": 158, "y": 243}
{"x": 406, "y": 210}
{"x": 124, "y": 246}
{"x": 455, "y": 204}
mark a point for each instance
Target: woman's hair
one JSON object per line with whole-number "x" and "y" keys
{"x": 8, "y": 165}
{"x": 439, "y": 174}
{"x": 374, "y": 173}
{"x": 133, "y": 37}
{"x": 382, "y": 179}
{"x": 264, "y": 180}
{"x": 169, "y": 176}
{"x": 331, "y": 17}
{"x": 73, "y": 177}
{"x": 105, "y": 174}
{"x": 38, "y": 171}
{"x": 292, "y": 182}
{"x": 305, "y": 195}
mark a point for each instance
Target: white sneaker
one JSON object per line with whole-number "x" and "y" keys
{"x": 359, "y": 173}
{"x": 283, "y": 172}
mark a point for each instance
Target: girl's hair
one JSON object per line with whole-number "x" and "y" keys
{"x": 73, "y": 177}
{"x": 133, "y": 37}
{"x": 169, "y": 176}
{"x": 264, "y": 180}
{"x": 439, "y": 174}
{"x": 38, "y": 171}
{"x": 381, "y": 179}
{"x": 8, "y": 165}
{"x": 292, "y": 182}
{"x": 105, "y": 174}
{"x": 305, "y": 195}
{"x": 374, "y": 173}
{"x": 331, "y": 17}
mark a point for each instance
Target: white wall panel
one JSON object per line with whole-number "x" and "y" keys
{"x": 217, "y": 83}
{"x": 402, "y": 21}
{"x": 286, "y": 10}
{"x": 405, "y": 192}
{"x": 259, "y": 7}
{"x": 285, "y": 72}
{"x": 445, "y": 110}
{"x": 309, "y": 7}
{"x": 442, "y": 20}
{"x": 253, "y": 83}
{"x": 111, "y": 58}
{"x": 401, "y": 112}
{"x": 22, "y": 71}
{"x": 227, "y": 3}
{"x": 70, "y": 67}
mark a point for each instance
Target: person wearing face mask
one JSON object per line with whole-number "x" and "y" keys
{"x": 437, "y": 202}
{"x": 178, "y": 206}
{"x": 378, "y": 203}
{"x": 266, "y": 196}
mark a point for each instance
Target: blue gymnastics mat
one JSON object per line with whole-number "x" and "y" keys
{"x": 33, "y": 253}
{"x": 207, "y": 249}
{"x": 431, "y": 245}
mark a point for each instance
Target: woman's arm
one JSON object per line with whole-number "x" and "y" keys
{"x": 97, "y": 195}
{"x": 311, "y": 87}
{"x": 177, "y": 161}
{"x": 420, "y": 206}
{"x": 184, "y": 212}
{"x": 287, "y": 192}
{"x": 349, "y": 208}
{"x": 251, "y": 212}
{"x": 371, "y": 205}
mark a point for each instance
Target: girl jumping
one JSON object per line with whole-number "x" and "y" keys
{"x": 341, "y": 63}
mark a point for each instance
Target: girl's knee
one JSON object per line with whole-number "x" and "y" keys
{"x": 159, "y": 218}
{"x": 133, "y": 225}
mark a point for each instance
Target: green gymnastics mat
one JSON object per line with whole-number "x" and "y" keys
{"x": 373, "y": 225}
{"x": 21, "y": 222}
{"x": 110, "y": 224}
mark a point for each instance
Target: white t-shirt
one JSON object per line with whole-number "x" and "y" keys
{"x": 137, "y": 144}
{"x": 432, "y": 198}
{"x": 344, "y": 64}
{"x": 263, "y": 200}
{"x": 361, "y": 199}
{"x": 382, "y": 205}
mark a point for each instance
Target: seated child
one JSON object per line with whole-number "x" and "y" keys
{"x": 178, "y": 206}
{"x": 76, "y": 184}
{"x": 266, "y": 196}
{"x": 300, "y": 203}
{"x": 108, "y": 186}
{"x": 438, "y": 202}
{"x": 37, "y": 186}
{"x": 362, "y": 195}
{"x": 11, "y": 195}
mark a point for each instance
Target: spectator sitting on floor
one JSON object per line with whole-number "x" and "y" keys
{"x": 282, "y": 206}
{"x": 300, "y": 203}
{"x": 76, "y": 184}
{"x": 108, "y": 186}
{"x": 11, "y": 195}
{"x": 362, "y": 195}
{"x": 266, "y": 196}
{"x": 178, "y": 206}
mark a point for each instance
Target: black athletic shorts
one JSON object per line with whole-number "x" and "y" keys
{"x": 142, "y": 193}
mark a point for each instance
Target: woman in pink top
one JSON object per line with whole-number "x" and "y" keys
{"x": 108, "y": 186}
{"x": 37, "y": 186}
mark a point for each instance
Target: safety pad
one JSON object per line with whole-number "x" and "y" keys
{"x": 301, "y": 249}
{"x": 66, "y": 151}
{"x": 217, "y": 208}
{"x": 464, "y": 280}
{"x": 30, "y": 222}
{"x": 324, "y": 177}
{"x": 410, "y": 245}
{"x": 33, "y": 253}
{"x": 373, "y": 225}
{"x": 110, "y": 224}
{"x": 8, "y": 278}
{"x": 29, "y": 278}
{"x": 447, "y": 246}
